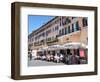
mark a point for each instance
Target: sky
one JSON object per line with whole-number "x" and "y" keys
{"x": 36, "y": 21}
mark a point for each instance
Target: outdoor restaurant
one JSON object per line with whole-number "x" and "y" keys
{"x": 62, "y": 39}
{"x": 63, "y": 53}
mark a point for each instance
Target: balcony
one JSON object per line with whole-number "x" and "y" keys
{"x": 39, "y": 43}
{"x": 52, "y": 40}
{"x": 30, "y": 45}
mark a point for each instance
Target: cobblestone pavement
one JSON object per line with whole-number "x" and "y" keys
{"x": 42, "y": 63}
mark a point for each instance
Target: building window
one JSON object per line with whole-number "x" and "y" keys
{"x": 68, "y": 20}
{"x": 72, "y": 27}
{"x": 77, "y": 26}
{"x": 60, "y": 23}
{"x": 60, "y": 32}
{"x": 53, "y": 38}
{"x": 85, "y": 22}
{"x": 36, "y": 38}
{"x": 32, "y": 39}
{"x": 47, "y": 32}
{"x": 43, "y": 34}
{"x": 68, "y": 29}
{"x": 56, "y": 28}
{"x": 53, "y": 29}
{"x": 73, "y": 17}
{"x": 48, "y": 39}
{"x": 63, "y": 32}
{"x": 63, "y": 21}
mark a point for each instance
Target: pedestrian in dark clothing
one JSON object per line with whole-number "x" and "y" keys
{"x": 74, "y": 59}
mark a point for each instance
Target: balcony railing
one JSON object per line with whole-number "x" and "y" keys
{"x": 39, "y": 43}
{"x": 52, "y": 40}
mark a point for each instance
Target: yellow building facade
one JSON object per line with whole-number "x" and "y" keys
{"x": 60, "y": 30}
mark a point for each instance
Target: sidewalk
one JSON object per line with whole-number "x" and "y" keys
{"x": 42, "y": 63}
